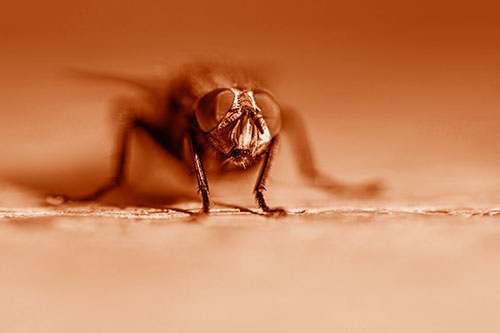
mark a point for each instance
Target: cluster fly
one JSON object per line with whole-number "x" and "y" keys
{"x": 218, "y": 116}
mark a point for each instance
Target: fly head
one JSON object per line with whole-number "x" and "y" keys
{"x": 239, "y": 123}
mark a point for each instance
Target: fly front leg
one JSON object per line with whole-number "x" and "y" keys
{"x": 200, "y": 172}
{"x": 260, "y": 186}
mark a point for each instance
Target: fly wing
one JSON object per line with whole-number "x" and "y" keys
{"x": 151, "y": 85}
{"x": 295, "y": 132}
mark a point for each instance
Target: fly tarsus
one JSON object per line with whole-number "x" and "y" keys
{"x": 362, "y": 190}
{"x": 101, "y": 191}
{"x": 259, "y": 195}
{"x": 57, "y": 199}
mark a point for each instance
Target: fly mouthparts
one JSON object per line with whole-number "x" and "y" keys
{"x": 240, "y": 153}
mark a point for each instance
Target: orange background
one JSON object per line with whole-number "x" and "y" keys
{"x": 406, "y": 91}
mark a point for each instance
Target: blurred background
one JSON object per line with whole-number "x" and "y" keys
{"x": 404, "y": 91}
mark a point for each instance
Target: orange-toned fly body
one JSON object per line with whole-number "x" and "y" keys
{"x": 225, "y": 116}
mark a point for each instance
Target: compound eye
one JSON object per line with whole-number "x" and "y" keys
{"x": 212, "y": 108}
{"x": 270, "y": 111}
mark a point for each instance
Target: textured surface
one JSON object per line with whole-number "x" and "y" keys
{"x": 97, "y": 268}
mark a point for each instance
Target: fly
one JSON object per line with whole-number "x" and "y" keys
{"x": 223, "y": 117}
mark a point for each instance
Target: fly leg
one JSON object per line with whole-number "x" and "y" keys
{"x": 127, "y": 125}
{"x": 294, "y": 129}
{"x": 260, "y": 186}
{"x": 128, "y": 121}
{"x": 200, "y": 172}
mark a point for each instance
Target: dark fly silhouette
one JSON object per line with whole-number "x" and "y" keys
{"x": 221, "y": 119}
